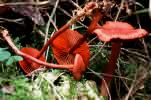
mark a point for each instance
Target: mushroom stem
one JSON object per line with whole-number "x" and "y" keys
{"x": 96, "y": 18}
{"x": 17, "y": 51}
{"x": 110, "y": 67}
{"x": 66, "y": 26}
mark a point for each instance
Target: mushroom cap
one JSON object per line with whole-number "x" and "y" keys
{"x": 62, "y": 44}
{"x": 27, "y": 65}
{"x": 118, "y": 30}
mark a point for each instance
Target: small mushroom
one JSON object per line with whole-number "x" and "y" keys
{"x": 115, "y": 32}
{"x": 62, "y": 45}
{"x": 27, "y": 65}
{"x": 31, "y": 61}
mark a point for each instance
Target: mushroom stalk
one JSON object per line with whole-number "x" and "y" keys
{"x": 17, "y": 51}
{"x": 66, "y": 26}
{"x": 96, "y": 18}
{"x": 110, "y": 67}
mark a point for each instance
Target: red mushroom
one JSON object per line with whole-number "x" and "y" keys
{"x": 31, "y": 61}
{"x": 61, "y": 47}
{"x": 27, "y": 65}
{"x": 116, "y": 32}
{"x": 88, "y": 8}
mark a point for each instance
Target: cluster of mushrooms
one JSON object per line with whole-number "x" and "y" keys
{"x": 71, "y": 50}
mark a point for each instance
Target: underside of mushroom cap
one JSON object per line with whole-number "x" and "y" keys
{"x": 118, "y": 30}
{"x": 64, "y": 42}
{"x": 27, "y": 65}
{"x": 79, "y": 57}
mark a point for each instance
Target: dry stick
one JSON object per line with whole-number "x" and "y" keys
{"x": 6, "y": 36}
{"x": 11, "y": 20}
{"x": 48, "y": 25}
{"x": 119, "y": 10}
{"x": 136, "y": 83}
{"x": 25, "y": 3}
{"x": 65, "y": 12}
{"x": 143, "y": 41}
{"x": 102, "y": 80}
{"x": 100, "y": 49}
{"x": 109, "y": 75}
{"x": 75, "y": 4}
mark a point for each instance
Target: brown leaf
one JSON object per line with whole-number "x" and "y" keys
{"x": 30, "y": 11}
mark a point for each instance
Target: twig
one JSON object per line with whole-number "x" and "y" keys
{"x": 109, "y": 75}
{"x": 54, "y": 9}
{"x": 143, "y": 41}
{"x": 92, "y": 40}
{"x": 25, "y": 3}
{"x": 119, "y": 11}
{"x": 11, "y": 20}
{"x": 106, "y": 86}
{"x": 41, "y": 33}
{"x": 75, "y": 4}
{"x": 136, "y": 82}
{"x": 48, "y": 25}
{"x": 98, "y": 51}
{"x": 53, "y": 88}
{"x": 127, "y": 50}
{"x": 117, "y": 88}
{"x": 65, "y": 12}
{"x": 150, "y": 8}
{"x": 136, "y": 53}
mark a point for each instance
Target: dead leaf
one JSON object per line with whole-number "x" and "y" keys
{"x": 30, "y": 11}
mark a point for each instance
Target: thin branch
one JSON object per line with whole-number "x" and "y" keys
{"x": 98, "y": 51}
{"x": 106, "y": 86}
{"x": 119, "y": 11}
{"x": 11, "y": 20}
{"x": 65, "y": 12}
{"x": 25, "y": 3}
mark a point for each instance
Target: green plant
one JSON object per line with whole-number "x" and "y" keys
{"x": 5, "y": 57}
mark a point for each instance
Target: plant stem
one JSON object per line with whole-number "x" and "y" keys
{"x": 110, "y": 67}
